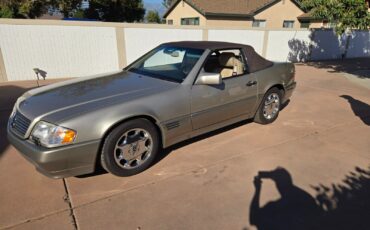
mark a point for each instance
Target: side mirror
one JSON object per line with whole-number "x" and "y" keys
{"x": 209, "y": 79}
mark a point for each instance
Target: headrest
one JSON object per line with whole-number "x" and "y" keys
{"x": 227, "y": 59}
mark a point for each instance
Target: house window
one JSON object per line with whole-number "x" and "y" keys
{"x": 305, "y": 25}
{"x": 170, "y": 22}
{"x": 288, "y": 24}
{"x": 259, "y": 23}
{"x": 190, "y": 21}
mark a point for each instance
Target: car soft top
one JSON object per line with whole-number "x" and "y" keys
{"x": 255, "y": 61}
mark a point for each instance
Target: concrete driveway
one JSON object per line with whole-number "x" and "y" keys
{"x": 321, "y": 140}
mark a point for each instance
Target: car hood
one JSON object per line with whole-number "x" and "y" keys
{"x": 61, "y": 96}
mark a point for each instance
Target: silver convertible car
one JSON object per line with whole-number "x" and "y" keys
{"x": 122, "y": 120}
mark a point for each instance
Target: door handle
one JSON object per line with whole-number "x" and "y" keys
{"x": 251, "y": 83}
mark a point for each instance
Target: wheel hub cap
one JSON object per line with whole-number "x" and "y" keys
{"x": 272, "y": 106}
{"x": 133, "y": 148}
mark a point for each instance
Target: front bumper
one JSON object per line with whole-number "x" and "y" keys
{"x": 66, "y": 161}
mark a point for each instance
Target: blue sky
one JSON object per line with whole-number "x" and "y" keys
{"x": 154, "y": 1}
{"x": 154, "y": 5}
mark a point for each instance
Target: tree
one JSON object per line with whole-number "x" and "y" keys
{"x": 79, "y": 14}
{"x": 346, "y": 15}
{"x": 153, "y": 17}
{"x": 116, "y": 10}
{"x": 168, "y": 3}
{"x": 23, "y": 8}
{"x": 66, "y": 6}
{"x": 35, "y": 8}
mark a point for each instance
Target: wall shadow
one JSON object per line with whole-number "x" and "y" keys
{"x": 325, "y": 45}
{"x": 360, "y": 43}
{"x": 299, "y": 51}
{"x": 345, "y": 205}
{"x": 358, "y": 67}
{"x": 359, "y": 108}
{"x": 321, "y": 44}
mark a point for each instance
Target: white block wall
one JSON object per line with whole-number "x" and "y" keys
{"x": 141, "y": 40}
{"x": 249, "y": 37}
{"x": 61, "y": 51}
{"x": 288, "y": 46}
{"x": 74, "y": 51}
{"x": 327, "y": 45}
{"x": 359, "y": 45}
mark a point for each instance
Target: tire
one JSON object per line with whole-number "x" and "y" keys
{"x": 130, "y": 148}
{"x": 264, "y": 115}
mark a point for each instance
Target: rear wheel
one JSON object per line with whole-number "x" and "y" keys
{"x": 130, "y": 148}
{"x": 269, "y": 109}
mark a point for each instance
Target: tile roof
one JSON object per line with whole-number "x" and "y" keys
{"x": 226, "y": 7}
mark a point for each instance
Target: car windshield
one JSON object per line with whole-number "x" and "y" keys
{"x": 167, "y": 63}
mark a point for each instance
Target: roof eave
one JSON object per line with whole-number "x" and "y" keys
{"x": 310, "y": 19}
{"x": 177, "y": 2}
{"x": 305, "y": 18}
{"x": 249, "y": 15}
{"x": 262, "y": 8}
{"x": 168, "y": 11}
{"x": 299, "y": 4}
{"x": 228, "y": 15}
{"x": 268, "y": 5}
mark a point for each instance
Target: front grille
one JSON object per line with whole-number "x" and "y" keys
{"x": 20, "y": 123}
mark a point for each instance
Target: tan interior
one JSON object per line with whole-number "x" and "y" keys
{"x": 231, "y": 66}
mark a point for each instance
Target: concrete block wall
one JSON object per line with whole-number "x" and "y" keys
{"x": 74, "y": 49}
{"x": 59, "y": 50}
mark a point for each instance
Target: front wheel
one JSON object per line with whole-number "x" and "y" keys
{"x": 130, "y": 148}
{"x": 269, "y": 109}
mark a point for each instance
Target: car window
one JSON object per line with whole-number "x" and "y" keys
{"x": 167, "y": 63}
{"x": 161, "y": 58}
{"x": 228, "y": 63}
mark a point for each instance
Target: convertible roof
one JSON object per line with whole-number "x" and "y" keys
{"x": 255, "y": 61}
{"x": 212, "y": 45}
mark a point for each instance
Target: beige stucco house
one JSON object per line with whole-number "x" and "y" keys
{"x": 240, "y": 13}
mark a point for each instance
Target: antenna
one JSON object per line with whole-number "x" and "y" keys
{"x": 39, "y": 72}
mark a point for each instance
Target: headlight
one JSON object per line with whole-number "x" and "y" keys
{"x": 50, "y": 135}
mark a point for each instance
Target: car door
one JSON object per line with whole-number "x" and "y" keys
{"x": 211, "y": 104}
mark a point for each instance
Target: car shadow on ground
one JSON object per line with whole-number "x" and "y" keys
{"x": 8, "y": 96}
{"x": 165, "y": 152}
{"x": 344, "y": 205}
{"x": 359, "y": 108}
